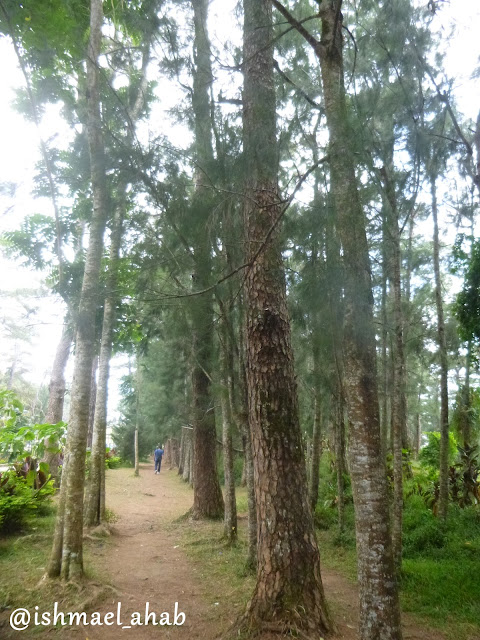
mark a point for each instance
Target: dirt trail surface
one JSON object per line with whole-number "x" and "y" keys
{"x": 145, "y": 561}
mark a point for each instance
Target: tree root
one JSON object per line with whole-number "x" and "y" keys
{"x": 100, "y": 531}
{"x": 32, "y": 537}
{"x": 184, "y": 517}
{"x": 97, "y": 596}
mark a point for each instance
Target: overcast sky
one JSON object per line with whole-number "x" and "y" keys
{"x": 19, "y": 153}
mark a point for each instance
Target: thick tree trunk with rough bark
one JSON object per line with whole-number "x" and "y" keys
{"x": 71, "y": 533}
{"x": 207, "y": 494}
{"x": 288, "y": 592}
{"x": 442, "y": 352}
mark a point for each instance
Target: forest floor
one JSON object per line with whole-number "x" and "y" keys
{"x": 156, "y": 556}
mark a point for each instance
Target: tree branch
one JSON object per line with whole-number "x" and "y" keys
{"x": 313, "y": 42}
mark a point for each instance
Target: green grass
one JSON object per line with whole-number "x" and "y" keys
{"x": 442, "y": 590}
{"x": 221, "y": 569}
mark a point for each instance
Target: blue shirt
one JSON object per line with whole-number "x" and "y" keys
{"x": 158, "y": 454}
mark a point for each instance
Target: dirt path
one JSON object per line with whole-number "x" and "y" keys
{"x": 144, "y": 559}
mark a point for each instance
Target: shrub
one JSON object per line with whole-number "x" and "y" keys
{"x": 325, "y": 516}
{"x": 18, "y": 499}
{"x": 113, "y": 463}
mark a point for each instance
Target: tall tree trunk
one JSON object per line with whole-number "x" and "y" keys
{"x": 95, "y": 509}
{"x": 72, "y": 534}
{"x": 399, "y": 417}
{"x": 442, "y": 352}
{"x": 416, "y": 440}
{"x": 93, "y": 514}
{"x": 288, "y": 570}
{"x": 242, "y": 419}
{"x": 188, "y": 454}
{"x": 207, "y": 494}
{"x": 252, "y": 508}
{"x": 181, "y": 456}
{"x": 384, "y": 338}
{"x": 93, "y": 402}
{"x": 137, "y": 420}
{"x": 467, "y": 419}
{"x": 56, "y": 388}
{"x": 379, "y": 602}
{"x": 56, "y": 397}
{"x": 230, "y": 518}
{"x": 243, "y": 481}
{"x": 339, "y": 425}
{"x": 227, "y": 404}
{"x": 316, "y": 450}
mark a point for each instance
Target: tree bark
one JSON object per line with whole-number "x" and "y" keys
{"x": 252, "y": 509}
{"x": 56, "y": 387}
{"x": 226, "y": 400}
{"x": 442, "y": 352}
{"x": 379, "y": 602}
{"x": 137, "y": 420}
{"x": 467, "y": 419}
{"x": 72, "y": 539}
{"x": 92, "y": 403}
{"x": 230, "y": 517}
{"x": 399, "y": 417}
{"x": 339, "y": 425}
{"x": 288, "y": 592}
{"x": 188, "y": 454}
{"x": 95, "y": 509}
{"x": 316, "y": 450}
{"x": 94, "y": 515}
{"x": 56, "y": 397}
{"x": 384, "y": 340}
{"x": 181, "y": 458}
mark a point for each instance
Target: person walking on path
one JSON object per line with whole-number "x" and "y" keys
{"x": 158, "y": 459}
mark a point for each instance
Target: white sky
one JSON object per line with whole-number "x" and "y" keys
{"x": 19, "y": 153}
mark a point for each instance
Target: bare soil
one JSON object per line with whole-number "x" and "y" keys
{"x": 145, "y": 561}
